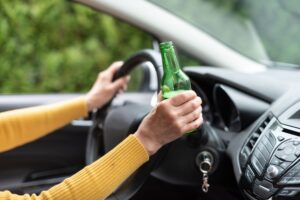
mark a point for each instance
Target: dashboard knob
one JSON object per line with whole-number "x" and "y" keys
{"x": 272, "y": 171}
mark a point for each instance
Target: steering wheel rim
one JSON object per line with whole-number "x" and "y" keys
{"x": 95, "y": 142}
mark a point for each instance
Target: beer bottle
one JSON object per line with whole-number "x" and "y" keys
{"x": 174, "y": 80}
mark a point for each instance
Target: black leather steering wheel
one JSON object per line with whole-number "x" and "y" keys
{"x": 101, "y": 138}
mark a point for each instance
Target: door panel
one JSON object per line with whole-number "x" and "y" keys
{"x": 46, "y": 161}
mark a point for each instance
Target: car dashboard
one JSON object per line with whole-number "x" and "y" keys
{"x": 258, "y": 116}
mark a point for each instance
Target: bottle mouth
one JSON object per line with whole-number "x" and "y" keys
{"x": 166, "y": 45}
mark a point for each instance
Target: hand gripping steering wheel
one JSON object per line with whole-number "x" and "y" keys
{"x": 103, "y": 135}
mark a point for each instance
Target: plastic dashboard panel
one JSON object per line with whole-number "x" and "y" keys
{"x": 271, "y": 167}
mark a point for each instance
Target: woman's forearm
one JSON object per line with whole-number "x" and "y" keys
{"x": 98, "y": 180}
{"x": 20, "y": 126}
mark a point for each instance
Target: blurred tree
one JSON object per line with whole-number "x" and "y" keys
{"x": 59, "y": 46}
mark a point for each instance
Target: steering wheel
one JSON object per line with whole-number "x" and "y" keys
{"x": 105, "y": 135}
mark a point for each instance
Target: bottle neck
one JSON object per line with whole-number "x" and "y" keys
{"x": 170, "y": 62}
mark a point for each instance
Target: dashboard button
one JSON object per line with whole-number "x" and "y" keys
{"x": 294, "y": 180}
{"x": 256, "y": 165}
{"x": 289, "y": 149}
{"x": 271, "y": 139}
{"x": 297, "y": 151}
{"x": 286, "y": 157}
{"x": 276, "y": 161}
{"x": 296, "y": 142}
{"x": 280, "y": 138}
{"x": 272, "y": 171}
{"x": 249, "y": 174}
{"x": 263, "y": 189}
{"x": 284, "y": 180}
{"x": 292, "y": 176}
{"x": 288, "y": 192}
{"x": 280, "y": 148}
{"x": 284, "y": 165}
{"x": 261, "y": 157}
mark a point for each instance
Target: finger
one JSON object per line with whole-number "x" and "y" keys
{"x": 193, "y": 125}
{"x": 182, "y": 98}
{"x": 113, "y": 68}
{"x": 120, "y": 92}
{"x": 189, "y": 106}
{"x": 192, "y": 116}
{"x": 118, "y": 84}
{"x": 125, "y": 86}
{"x": 128, "y": 77}
{"x": 159, "y": 97}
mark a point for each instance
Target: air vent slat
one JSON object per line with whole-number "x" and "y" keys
{"x": 252, "y": 143}
{"x": 253, "y": 139}
{"x": 255, "y": 135}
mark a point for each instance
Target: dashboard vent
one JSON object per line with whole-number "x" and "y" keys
{"x": 252, "y": 141}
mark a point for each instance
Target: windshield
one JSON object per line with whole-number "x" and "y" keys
{"x": 267, "y": 31}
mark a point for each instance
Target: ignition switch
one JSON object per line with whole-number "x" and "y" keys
{"x": 205, "y": 161}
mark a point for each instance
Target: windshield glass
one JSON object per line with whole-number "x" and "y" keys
{"x": 267, "y": 31}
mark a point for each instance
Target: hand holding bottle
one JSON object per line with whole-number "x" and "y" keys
{"x": 169, "y": 120}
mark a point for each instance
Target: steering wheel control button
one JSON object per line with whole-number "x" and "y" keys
{"x": 263, "y": 189}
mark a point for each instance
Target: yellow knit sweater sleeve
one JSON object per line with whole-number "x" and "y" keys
{"x": 20, "y": 126}
{"x": 95, "y": 181}
{"x": 98, "y": 180}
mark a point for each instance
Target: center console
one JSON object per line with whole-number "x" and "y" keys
{"x": 270, "y": 159}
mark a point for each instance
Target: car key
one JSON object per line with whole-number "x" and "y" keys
{"x": 205, "y": 167}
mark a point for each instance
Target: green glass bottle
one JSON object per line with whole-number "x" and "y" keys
{"x": 174, "y": 80}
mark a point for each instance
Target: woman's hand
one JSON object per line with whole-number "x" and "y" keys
{"x": 104, "y": 89}
{"x": 169, "y": 120}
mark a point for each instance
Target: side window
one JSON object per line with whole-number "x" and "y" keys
{"x": 59, "y": 46}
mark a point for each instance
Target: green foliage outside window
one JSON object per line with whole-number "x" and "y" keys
{"x": 59, "y": 46}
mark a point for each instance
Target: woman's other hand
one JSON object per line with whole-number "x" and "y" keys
{"x": 104, "y": 88}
